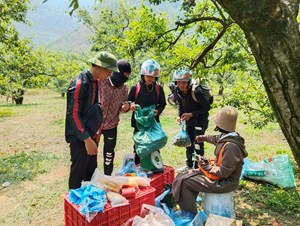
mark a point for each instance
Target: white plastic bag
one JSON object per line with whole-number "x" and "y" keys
{"x": 116, "y": 199}
{"x": 152, "y": 216}
{"x": 277, "y": 170}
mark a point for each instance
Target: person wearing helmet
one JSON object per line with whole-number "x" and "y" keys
{"x": 147, "y": 92}
{"x": 82, "y": 96}
{"x": 219, "y": 176}
{"x": 193, "y": 112}
{"x": 113, "y": 94}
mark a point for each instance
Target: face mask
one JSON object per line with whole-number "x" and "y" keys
{"x": 118, "y": 79}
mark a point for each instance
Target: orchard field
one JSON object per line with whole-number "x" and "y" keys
{"x": 34, "y": 158}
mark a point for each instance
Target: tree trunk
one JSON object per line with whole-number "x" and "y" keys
{"x": 19, "y": 100}
{"x": 272, "y": 31}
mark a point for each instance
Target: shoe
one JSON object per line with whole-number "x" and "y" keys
{"x": 183, "y": 169}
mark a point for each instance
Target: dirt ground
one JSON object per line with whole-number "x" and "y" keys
{"x": 12, "y": 198}
{"x": 32, "y": 202}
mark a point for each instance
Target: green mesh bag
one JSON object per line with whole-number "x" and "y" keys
{"x": 150, "y": 136}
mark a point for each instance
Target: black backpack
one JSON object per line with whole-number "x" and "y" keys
{"x": 206, "y": 90}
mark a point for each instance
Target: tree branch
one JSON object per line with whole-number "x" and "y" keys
{"x": 197, "y": 19}
{"x": 210, "y": 46}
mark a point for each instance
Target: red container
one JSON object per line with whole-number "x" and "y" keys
{"x": 159, "y": 180}
{"x": 112, "y": 216}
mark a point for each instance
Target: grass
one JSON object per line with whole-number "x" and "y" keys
{"x": 6, "y": 112}
{"x": 34, "y": 158}
{"x": 22, "y": 166}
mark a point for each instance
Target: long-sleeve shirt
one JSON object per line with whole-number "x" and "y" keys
{"x": 111, "y": 99}
{"x": 229, "y": 171}
{"x": 232, "y": 157}
{"x": 148, "y": 96}
{"x": 81, "y": 95}
{"x": 187, "y": 104}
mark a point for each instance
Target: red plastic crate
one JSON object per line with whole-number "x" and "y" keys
{"x": 144, "y": 196}
{"x": 159, "y": 180}
{"x": 112, "y": 216}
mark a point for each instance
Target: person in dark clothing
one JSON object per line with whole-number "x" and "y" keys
{"x": 193, "y": 112}
{"x": 219, "y": 176}
{"x": 147, "y": 92}
{"x": 81, "y": 95}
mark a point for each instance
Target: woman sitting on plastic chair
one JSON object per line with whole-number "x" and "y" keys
{"x": 219, "y": 176}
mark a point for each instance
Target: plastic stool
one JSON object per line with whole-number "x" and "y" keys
{"x": 219, "y": 204}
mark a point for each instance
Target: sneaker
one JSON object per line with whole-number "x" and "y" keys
{"x": 183, "y": 169}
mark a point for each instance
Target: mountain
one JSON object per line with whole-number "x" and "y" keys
{"x": 54, "y": 28}
{"x": 74, "y": 41}
{"x": 50, "y": 21}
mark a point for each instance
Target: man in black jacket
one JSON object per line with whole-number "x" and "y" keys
{"x": 81, "y": 95}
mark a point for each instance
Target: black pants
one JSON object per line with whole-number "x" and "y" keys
{"x": 110, "y": 140}
{"x": 82, "y": 164}
{"x": 194, "y": 131}
{"x": 136, "y": 156}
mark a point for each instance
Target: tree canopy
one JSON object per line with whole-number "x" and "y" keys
{"x": 272, "y": 32}
{"x": 237, "y": 44}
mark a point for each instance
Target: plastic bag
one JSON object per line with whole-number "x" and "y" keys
{"x": 108, "y": 183}
{"x": 129, "y": 192}
{"x": 152, "y": 216}
{"x": 166, "y": 202}
{"x": 166, "y": 197}
{"x": 277, "y": 170}
{"x": 116, "y": 199}
{"x": 199, "y": 219}
{"x": 181, "y": 139}
{"x": 221, "y": 204}
{"x": 182, "y": 218}
{"x": 132, "y": 181}
{"x": 130, "y": 169}
{"x": 150, "y": 136}
{"x": 90, "y": 199}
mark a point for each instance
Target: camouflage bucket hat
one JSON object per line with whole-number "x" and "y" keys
{"x": 105, "y": 60}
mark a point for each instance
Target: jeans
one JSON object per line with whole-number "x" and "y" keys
{"x": 110, "y": 140}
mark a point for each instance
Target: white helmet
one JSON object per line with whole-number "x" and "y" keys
{"x": 182, "y": 74}
{"x": 151, "y": 68}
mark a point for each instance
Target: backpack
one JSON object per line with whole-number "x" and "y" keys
{"x": 138, "y": 88}
{"x": 206, "y": 90}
